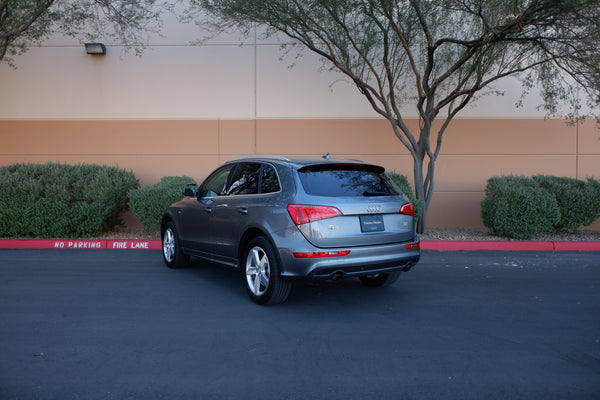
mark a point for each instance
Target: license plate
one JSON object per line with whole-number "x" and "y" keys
{"x": 371, "y": 223}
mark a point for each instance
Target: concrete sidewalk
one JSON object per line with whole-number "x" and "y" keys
{"x": 126, "y": 244}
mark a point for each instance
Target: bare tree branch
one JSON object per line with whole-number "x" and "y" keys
{"x": 435, "y": 55}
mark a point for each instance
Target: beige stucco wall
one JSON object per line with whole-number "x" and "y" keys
{"x": 474, "y": 150}
{"x": 184, "y": 108}
{"x": 219, "y": 79}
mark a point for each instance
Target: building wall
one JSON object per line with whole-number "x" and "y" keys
{"x": 184, "y": 109}
{"x": 475, "y": 149}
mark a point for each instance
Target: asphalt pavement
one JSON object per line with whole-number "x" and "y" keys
{"x": 101, "y": 324}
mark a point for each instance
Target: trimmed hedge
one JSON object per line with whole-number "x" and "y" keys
{"x": 150, "y": 202}
{"x": 59, "y": 200}
{"x": 578, "y": 201}
{"x": 402, "y": 182}
{"x": 520, "y": 207}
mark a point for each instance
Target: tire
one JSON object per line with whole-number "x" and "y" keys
{"x": 171, "y": 249}
{"x": 261, "y": 273}
{"x": 380, "y": 280}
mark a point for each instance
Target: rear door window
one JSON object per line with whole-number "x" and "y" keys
{"x": 245, "y": 179}
{"x": 346, "y": 180}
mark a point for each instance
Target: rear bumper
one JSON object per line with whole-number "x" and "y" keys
{"x": 367, "y": 260}
{"x": 336, "y": 272}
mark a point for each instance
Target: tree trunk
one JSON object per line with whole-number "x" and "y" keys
{"x": 424, "y": 182}
{"x": 420, "y": 191}
{"x": 428, "y": 193}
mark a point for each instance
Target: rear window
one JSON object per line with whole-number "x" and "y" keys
{"x": 346, "y": 180}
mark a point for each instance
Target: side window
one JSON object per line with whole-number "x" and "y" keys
{"x": 216, "y": 182}
{"x": 244, "y": 179}
{"x": 269, "y": 182}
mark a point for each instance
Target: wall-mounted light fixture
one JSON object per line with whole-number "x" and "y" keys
{"x": 95, "y": 48}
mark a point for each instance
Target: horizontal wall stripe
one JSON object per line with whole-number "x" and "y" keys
{"x": 473, "y": 149}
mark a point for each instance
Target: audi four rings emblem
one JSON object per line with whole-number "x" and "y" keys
{"x": 374, "y": 208}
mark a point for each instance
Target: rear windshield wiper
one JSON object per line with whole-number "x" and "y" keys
{"x": 368, "y": 193}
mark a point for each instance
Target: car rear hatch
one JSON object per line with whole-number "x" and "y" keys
{"x": 348, "y": 205}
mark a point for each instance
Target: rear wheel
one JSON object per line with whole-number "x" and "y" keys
{"x": 171, "y": 249}
{"x": 379, "y": 280}
{"x": 264, "y": 283}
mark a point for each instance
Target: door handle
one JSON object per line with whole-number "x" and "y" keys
{"x": 243, "y": 210}
{"x": 208, "y": 210}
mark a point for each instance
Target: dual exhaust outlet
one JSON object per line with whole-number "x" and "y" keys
{"x": 340, "y": 274}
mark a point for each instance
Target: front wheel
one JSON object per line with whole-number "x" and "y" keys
{"x": 379, "y": 280}
{"x": 264, "y": 283}
{"x": 171, "y": 249}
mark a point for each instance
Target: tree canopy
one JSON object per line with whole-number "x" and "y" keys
{"x": 28, "y": 22}
{"x": 437, "y": 55}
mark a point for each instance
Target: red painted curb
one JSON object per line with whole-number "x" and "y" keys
{"x": 486, "y": 245}
{"x": 577, "y": 246}
{"x": 80, "y": 244}
{"x": 509, "y": 245}
{"x": 447, "y": 245}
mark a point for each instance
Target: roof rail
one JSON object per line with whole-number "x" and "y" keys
{"x": 267, "y": 157}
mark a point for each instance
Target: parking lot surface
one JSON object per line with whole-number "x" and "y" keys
{"x": 99, "y": 324}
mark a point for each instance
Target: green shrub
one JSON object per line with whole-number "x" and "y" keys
{"x": 150, "y": 202}
{"x": 592, "y": 190}
{"x": 579, "y": 201}
{"x": 60, "y": 200}
{"x": 402, "y": 182}
{"x": 517, "y": 207}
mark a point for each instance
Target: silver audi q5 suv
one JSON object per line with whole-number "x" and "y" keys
{"x": 279, "y": 219}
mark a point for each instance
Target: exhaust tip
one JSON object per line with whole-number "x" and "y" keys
{"x": 336, "y": 275}
{"x": 407, "y": 267}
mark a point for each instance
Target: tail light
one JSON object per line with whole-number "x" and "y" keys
{"x": 321, "y": 254}
{"x": 408, "y": 209}
{"x": 303, "y": 214}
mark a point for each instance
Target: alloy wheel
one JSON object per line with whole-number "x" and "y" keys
{"x": 168, "y": 245}
{"x": 258, "y": 271}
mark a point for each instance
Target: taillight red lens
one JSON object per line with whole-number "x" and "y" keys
{"x": 320, "y": 254}
{"x": 408, "y": 209}
{"x": 303, "y": 214}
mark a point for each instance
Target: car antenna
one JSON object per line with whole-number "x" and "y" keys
{"x": 326, "y": 156}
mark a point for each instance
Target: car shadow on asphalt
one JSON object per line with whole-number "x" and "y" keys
{"x": 227, "y": 283}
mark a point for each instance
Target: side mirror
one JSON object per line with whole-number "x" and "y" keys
{"x": 189, "y": 190}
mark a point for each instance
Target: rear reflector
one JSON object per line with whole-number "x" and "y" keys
{"x": 413, "y": 246}
{"x": 303, "y": 214}
{"x": 320, "y": 254}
